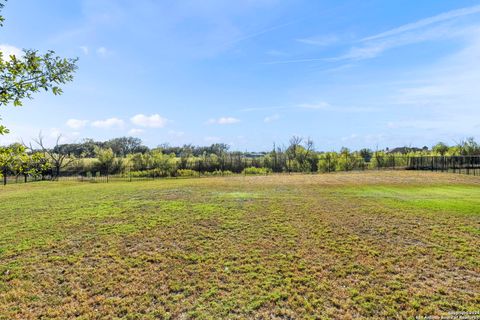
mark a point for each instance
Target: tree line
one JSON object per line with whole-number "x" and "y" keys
{"x": 128, "y": 156}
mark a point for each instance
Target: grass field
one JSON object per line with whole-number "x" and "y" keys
{"x": 368, "y": 245}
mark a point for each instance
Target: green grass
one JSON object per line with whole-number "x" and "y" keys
{"x": 459, "y": 199}
{"x": 385, "y": 245}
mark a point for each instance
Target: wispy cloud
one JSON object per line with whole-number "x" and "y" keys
{"x": 322, "y": 105}
{"x": 276, "y": 53}
{"x": 261, "y": 32}
{"x": 136, "y": 132}
{"x": 451, "y": 85}
{"x": 108, "y": 123}
{"x": 263, "y": 108}
{"x": 153, "y": 121}
{"x": 426, "y": 22}
{"x": 85, "y": 50}
{"x": 271, "y": 118}
{"x": 297, "y": 60}
{"x": 375, "y": 48}
{"x": 223, "y": 120}
{"x": 428, "y": 29}
{"x": 76, "y": 123}
{"x": 316, "y": 106}
{"x": 103, "y": 52}
{"x": 446, "y": 91}
{"x": 320, "y": 41}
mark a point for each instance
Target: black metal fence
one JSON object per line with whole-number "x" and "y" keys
{"x": 455, "y": 164}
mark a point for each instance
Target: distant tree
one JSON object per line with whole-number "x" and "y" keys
{"x": 22, "y": 165}
{"x": 9, "y": 159}
{"x": 56, "y": 156}
{"x": 30, "y": 165}
{"x": 163, "y": 164}
{"x": 303, "y": 155}
{"x": 295, "y": 143}
{"x": 89, "y": 145}
{"x": 453, "y": 151}
{"x": 327, "y": 162}
{"x": 219, "y": 148}
{"x": 105, "y": 159}
{"x": 126, "y": 145}
{"x": 346, "y": 160}
{"x": 440, "y": 148}
{"x": 366, "y": 154}
{"x": 469, "y": 147}
{"x": 292, "y": 152}
{"x": 39, "y": 165}
{"x": 72, "y": 149}
{"x": 20, "y": 77}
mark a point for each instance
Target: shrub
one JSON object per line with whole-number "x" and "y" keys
{"x": 256, "y": 171}
{"x": 218, "y": 173}
{"x": 144, "y": 174}
{"x": 186, "y": 173}
{"x": 222, "y": 173}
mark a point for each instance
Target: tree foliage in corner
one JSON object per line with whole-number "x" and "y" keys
{"x": 20, "y": 77}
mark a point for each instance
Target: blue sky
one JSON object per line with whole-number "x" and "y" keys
{"x": 253, "y": 72}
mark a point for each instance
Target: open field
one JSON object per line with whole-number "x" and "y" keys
{"x": 376, "y": 244}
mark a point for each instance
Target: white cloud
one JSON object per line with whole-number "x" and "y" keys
{"x": 76, "y": 124}
{"x": 9, "y": 50}
{"x": 136, "y": 132}
{"x": 223, "y": 120}
{"x": 108, "y": 123}
{"x": 316, "y": 106}
{"x": 153, "y": 121}
{"x": 227, "y": 120}
{"x": 271, "y": 118}
{"x": 102, "y": 51}
{"x": 85, "y": 50}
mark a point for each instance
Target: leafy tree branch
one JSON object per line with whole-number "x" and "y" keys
{"x": 21, "y": 77}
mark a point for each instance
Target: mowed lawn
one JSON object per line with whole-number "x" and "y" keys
{"x": 340, "y": 246}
